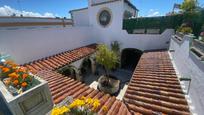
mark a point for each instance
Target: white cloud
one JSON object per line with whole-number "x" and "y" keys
{"x": 8, "y": 11}
{"x": 153, "y": 12}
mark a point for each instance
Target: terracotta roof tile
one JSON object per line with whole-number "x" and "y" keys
{"x": 154, "y": 87}
{"x": 61, "y": 59}
{"x": 62, "y": 86}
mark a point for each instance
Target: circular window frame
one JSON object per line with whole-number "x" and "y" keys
{"x": 98, "y": 15}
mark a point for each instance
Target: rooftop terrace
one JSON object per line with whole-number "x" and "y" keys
{"x": 162, "y": 68}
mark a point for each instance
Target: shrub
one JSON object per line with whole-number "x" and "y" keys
{"x": 107, "y": 58}
{"x": 185, "y": 30}
{"x": 162, "y": 23}
{"x": 115, "y": 46}
{"x": 189, "y": 5}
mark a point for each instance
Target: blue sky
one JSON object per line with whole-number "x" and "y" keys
{"x": 61, "y": 7}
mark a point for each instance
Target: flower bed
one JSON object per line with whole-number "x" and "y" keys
{"x": 82, "y": 106}
{"x": 24, "y": 93}
{"x": 17, "y": 79}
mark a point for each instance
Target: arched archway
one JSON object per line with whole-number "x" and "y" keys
{"x": 130, "y": 57}
{"x": 69, "y": 71}
{"x": 85, "y": 67}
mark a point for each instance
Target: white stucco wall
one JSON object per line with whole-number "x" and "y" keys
{"x": 188, "y": 64}
{"x": 114, "y": 30}
{"x": 25, "y": 45}
{"x": 81, "y": 17}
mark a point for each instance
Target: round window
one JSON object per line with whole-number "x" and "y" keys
{"x": 104, "y": 17}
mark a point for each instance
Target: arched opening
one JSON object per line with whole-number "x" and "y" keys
{"x": 129, "y": 58}
{"x": 69, "y": 71}
{"x": 86, "y": 67}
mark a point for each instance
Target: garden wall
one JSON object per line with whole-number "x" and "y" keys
{"x": 25, "y": 45}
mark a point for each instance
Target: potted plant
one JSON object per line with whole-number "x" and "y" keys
{"x": 108, "y": 59}
{"x": 185, "y": 29}
{"x": 16, "y": 78}
{"x": 19, "y": 86}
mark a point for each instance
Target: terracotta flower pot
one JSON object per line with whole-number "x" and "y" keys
{"x": 111, "y": 88}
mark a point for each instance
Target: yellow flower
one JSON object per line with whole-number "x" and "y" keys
{"x": 64, "y": 109}
{"x": 60, "y": 110}
{"x": 89, "y": 101}
{"x": 83, "y": 98}
{"x": 96, "y": 103}
{"x": 55, "y": 111}
{"x": 80, "y": 102}
{"x": 77, "y": 103}
{"x": 105, "y": 108}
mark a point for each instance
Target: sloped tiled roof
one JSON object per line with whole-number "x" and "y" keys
{"x": 155, "y": 88}
{"x": 62, "y": 86}
{"x": 61, "y": 59}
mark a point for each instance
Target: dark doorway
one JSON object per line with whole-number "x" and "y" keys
{"x": 68, "y": 71}
{"x": 85, "y": 68}
{"x": 129, "y": 58}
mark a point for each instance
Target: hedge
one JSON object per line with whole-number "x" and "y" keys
{"x": 161, "y": 23}
{"x": 165, "y": 22}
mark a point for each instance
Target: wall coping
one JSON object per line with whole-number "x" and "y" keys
{"x": 180, "y": 40}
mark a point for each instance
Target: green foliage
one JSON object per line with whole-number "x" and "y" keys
{"x": 185, "y": 30}
{"x": 115, "y": 46}
{"x": 194, "y": 19}
{"x": 106, "y": 57}
{"x": 162, "y": 23}
{"x": 67, "y": 70}
{"x": 189, "y": 5}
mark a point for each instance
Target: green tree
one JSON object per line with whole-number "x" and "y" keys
{"x": 192, "y": 15}
{"x": 189, "y": 5}
{"x": 107, "y": 58}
